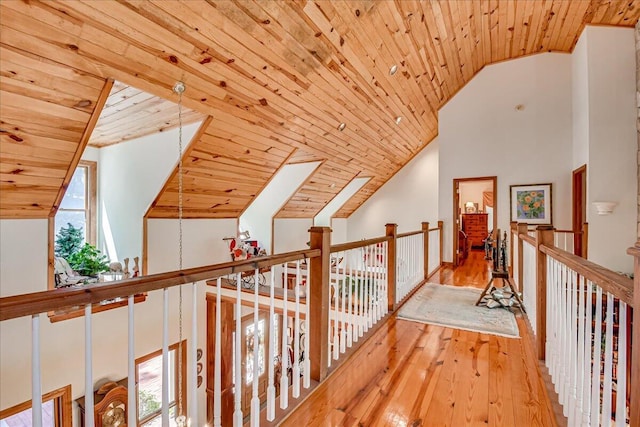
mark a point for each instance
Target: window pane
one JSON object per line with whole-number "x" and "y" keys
{"x": 77, "y": 219}
{"x": 24, "y": 418}
{"x": 150, "y": 385}
{"x": 249, "y": 336}
{"x": 157, "y": 421}
{"x": 75, "y": 195}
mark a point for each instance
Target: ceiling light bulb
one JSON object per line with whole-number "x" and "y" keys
{"x": 179, "y": 87}
{"x": 341, "y": 126}
{"x": 398, "y": 120}
{"x": 393, "y": 70}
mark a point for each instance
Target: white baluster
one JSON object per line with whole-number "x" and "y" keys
{"x": 306, "y": 374}
{"x": 621, "y": 384}
{"x": 334, "y": 320}
{"x": 349, "y": 280}
{"x": 284, "y": 378}
{"x": 385, "y": 279}
{"x": 271, "y": 388}
{"x": 608, "y": 365}
{"x": 193, "y": 359}
{"x": 597, "y": 357}
{"x": 361, "y": 302}
{"x": 165, "y": 357}
{"x": 36, "y": 379}
{"x": 131, "y": 365}
{"x": 343, "y": 303}
{"x": 549, "y": 315}
{"x": 572, "y": 348}
{"x": 579, "y": 366}
{"x": 564, "y": 336}
{"x": 239, "y": 335}
{"x": 255, "y": 399}
{"x": 296, "y": 337}
{"x": 217, "y": 368}
{"x": 586, "y": 367}
{"x": 88, "y": 368}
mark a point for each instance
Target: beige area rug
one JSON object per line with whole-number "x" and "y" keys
{"x": 454, "y": 307}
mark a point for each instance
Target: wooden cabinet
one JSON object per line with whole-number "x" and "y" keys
{"x": 475, "y": 227}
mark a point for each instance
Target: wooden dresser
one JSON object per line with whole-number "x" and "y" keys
{"x": 475, "y": 227}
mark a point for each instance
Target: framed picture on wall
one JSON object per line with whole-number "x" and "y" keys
{"x": 531, "y": 203}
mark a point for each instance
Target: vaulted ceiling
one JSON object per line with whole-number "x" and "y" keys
{"x": 273, "y": 78}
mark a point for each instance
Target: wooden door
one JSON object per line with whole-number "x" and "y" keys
{"x": 248, "y": 369}
{"x": 579, "y": 209}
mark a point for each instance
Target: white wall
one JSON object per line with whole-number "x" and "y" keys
{"x": 323, "y": 218}
{"x": 407, "y": 199}
{"x": 482, "y": 134}
{"x": 291, "y": 234}
{"x": 130, "y": 176}
{"x": 612, "y": 167}
{"x": 580, "y": 102}
{"x": 257, "y": 218}
{"x": 23, "y": 269}
{"x": 202, "y": 243}
{"x": 339, "y": 230}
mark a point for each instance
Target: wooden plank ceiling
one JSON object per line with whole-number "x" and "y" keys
{"x": 131, "y": 113}
{"x": 276, "y": 78}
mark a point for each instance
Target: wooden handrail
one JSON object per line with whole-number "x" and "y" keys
{"x": 57, "y": 299}
{"x": 568, "y": 231}
{"x": 409, "y": 233}
{"x": 359, "y": 244}
{"x": 434, "y": 229}
{"x": 615, "y": 283}
{"x": 529, "y": 239}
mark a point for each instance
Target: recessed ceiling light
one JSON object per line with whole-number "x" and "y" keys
{"x": 332, "y": 185}
{"x": 393, "y": 70}
{"x": 398, "y": 120}
{"x": 341, "y": 126}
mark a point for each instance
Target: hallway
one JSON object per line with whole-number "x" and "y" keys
{"x": 412, "y": 374}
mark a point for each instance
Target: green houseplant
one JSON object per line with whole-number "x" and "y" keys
{"x": 88, "y": 261}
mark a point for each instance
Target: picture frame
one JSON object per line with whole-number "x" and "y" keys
{"x": 532, "y": 203}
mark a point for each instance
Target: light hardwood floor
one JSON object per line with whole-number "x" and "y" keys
{"x": 411, "y": 374}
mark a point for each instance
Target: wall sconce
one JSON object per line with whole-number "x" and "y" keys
{"x": 604, "y": 208}
{"x": 244, "y": 235}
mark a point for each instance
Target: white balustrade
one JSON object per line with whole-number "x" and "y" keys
{"x": 409, "y": 264}
{"x": 529, "y": 282}
{"x": 586, "y": 349}
{"x": 358, "y": 295}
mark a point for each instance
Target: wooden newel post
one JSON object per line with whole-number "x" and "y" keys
{"x": 391, "y": 231}
{"x": 319, "y": 302}
{"x": 425, "y": 233}
{"x": 634, "y": 401}
{"x": 441, "y": 232}
{"x": 544, "y": 236}
{"x": 522, "y": 229}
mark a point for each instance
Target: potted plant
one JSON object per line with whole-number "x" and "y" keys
{"x": 88, "y": 261}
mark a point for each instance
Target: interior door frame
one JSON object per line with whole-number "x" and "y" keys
{"x": 578, "y": 207}
{"x": 456, "y": 208}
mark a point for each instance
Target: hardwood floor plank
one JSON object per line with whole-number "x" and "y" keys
{"x": 412, "y": 374}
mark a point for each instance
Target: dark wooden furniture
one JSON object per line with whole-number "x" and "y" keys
{"x": 475, "y": 227}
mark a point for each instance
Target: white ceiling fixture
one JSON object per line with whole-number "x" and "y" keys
{"x": 342, "y": 126}
{"x": 398, "y": 120}
{"x": 393, "y": 70}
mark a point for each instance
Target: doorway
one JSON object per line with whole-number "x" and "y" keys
{"x": 474, "y": 213}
